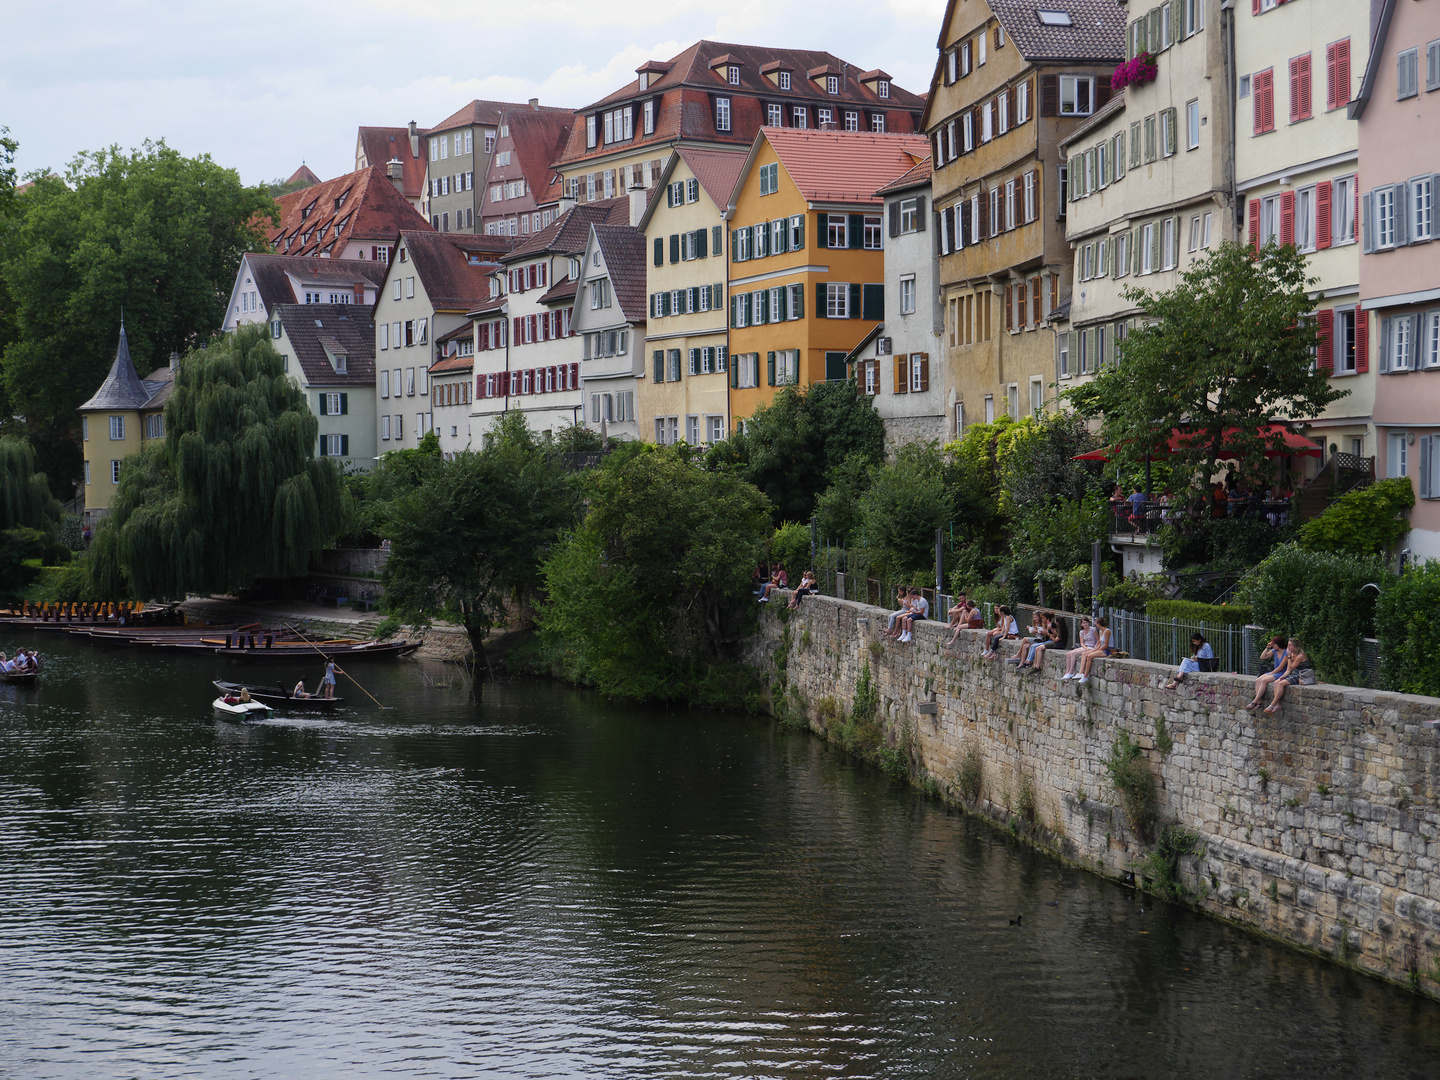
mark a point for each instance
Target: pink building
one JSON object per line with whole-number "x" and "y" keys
{"x": 1398, "y": 108}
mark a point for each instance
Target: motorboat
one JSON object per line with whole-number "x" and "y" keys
{"x": 230, "y": 707}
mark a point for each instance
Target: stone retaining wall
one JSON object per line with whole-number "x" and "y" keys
{"x": 1317, "y": 825}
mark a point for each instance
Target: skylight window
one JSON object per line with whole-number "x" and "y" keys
{"x": 1053, "y": 18}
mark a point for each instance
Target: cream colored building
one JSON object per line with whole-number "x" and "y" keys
{"x": 684, "y": 391}
{"x": 124, "y": 414}
{"x": 1296, "y": 161}
{"x": 1148, "y": 181}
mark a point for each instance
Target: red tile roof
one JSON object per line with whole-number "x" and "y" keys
{"x": 717, "y": 170}
{"x": 685, "y": 110}
{"x": 569, "y": 233}
{"x": 455, "y": 275}
{"x": 845, "y": 166}
{"x": 488, "y": 113}
{"x": 360, "y": 205}
{"x": 303, "y": 174}
{"x": 564, "y": 289}
{"x": 916, "y": 177}
{"x": 271, "y": 274}
{"x": 536, "y": 137}
{"x": 453, "y": 365}
{"x": 624, "y": 252}
{"x": 380, "y": 144}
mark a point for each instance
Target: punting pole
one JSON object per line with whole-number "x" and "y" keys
{"x": 317, "y": 648}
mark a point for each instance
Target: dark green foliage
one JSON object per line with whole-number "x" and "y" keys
{"x": 653, "y": 587}
{"x": 25, "y": 497}
{"x": 234, "y": 493}
{"x": 1134, "y": 783}
{"x": 792, "y": 446}
{"x": 1161, "y": 865}
{"x": 1132, "y": 594}
{"x": 970, "y": 773}
{"x": 1188, "y": 368}
{"x": 1320, "y": 598}
{"x": 906, "y": 502}
{"x": 1188, "y": 610}
{"x": 152, "y": 231}
{"x": 1058, "y": 535}
{"x": 576, "y": 439}
{"x": 1364, "y": 522}
{"x": 837, "y": 511}
{"x": 790, "y": 547}
{"x": 1407, "y": 620}
{"x": 20, "y": 550}
{"x": 1038, "y": 466}
{"x": 470, "y": 535}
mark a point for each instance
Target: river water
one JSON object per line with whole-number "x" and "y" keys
{"x": 548, "y": 885}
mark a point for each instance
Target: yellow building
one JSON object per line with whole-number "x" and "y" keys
{"x": 807, "y": 255}
{"x": 125, "y": 413}
{"x": 684, "y": 392}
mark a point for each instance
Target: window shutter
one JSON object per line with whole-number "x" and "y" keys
{"x": 1402, "y": 214}
{"x": 1322, "y": 215}
{"x": 344, "y": 404}
{"x": 797, "y": 302}
{"x": 674, "y": 247}
{"x": 694, "y": 359}
{"x": 1254, "y": 214}
{"x": 1368, "y": 220}
{"x": 693, "y": 298}
{"x": 822, "y": 233}
{"x": 1295, "y": 113}
{"x": 734, "y": 312}
{"x": 902, "y": 378}
{"x": 1287, "y": 217}
{"x": 856, "y": 300}
{"x": 734, "y": 376}
{"x": 781, "y": 305}
{"x": 820, "y": 306}
{"x": 659, "y": 251}
{"x": 734, "y": 246}
{"x": 770, "y": 368}
{"x": 855, "y": 231}
{"x": 658, "y": 357}
{"x": 1049, "y": 95}
{"x": 700, "y": 237}
{"x": 1426, "y": 471}
{"x": 1324, "y": 351}
{"x": 895, "y": 218}
{"x": 874, "y": 302}
{"x": 1155, "y": 238}
{"x": 920, "y": 213}
{"x": 715, "y": 297}
{"x": 1009, "y": 313}
{"x": 1362, "y": 340}
{"x": 1172, "y": 132}
{"x": 924, "y": 371}
{"x": 344, "y": 445}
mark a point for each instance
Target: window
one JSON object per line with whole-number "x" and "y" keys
{"x": 155, "y": 426}
{"x": 774, "y": 115}
{"x": 1396, "y": 464}
{"x": 852, "y": 120}
{"x": 117, "y": 428}
{"x": 784, "y": 80}
{"x": 832, "y": 84}
{"x": 1062, "y": 363}
{"x": 837, "y": 300}
{"x": 877, "y": 122}
{"x": 987, "y": 121}
{"x": 1397, "y": 343}
{"x": 1430, "y": 346}
{"x": 1407, "y": 72}
{"x": 1022, "y": 102}
{"x": 1077, "y": 94}
{"x": 770, "y": 178}
{"x": 1167, "y": 132}
{"x": 797, "y": 232}
{"x": 824, "y": 117}
{"x": 836, "y": 232}
{"x": 1192, "y": 125}
{"x": 1002, "y": 111}
{"x": 1269, "y": 219}
{"x": 722, "y": 114}
{"x": 989, "y": 408}
{"x": 648, "y": 116}
{"x": 1167, "y": 244}
{"x": 874, "y": 234}
{"x": 1031, "y": 210}
{"x": 1343, "y": 341}
{"x": 909, "y": 213}
{"x": 1194, "y": 233}
{"x": 907, "y": 295}
{"x": 1053, "y": 18}
{"x": 1305, "y": 219}
{"x": 1422, "y": 208}
{"x": 800, "y": 116}
{"x": 882, "y": 88}
{"x": 732, "y": 74}
{"x": 1147, "y": 248}
{"x": 1342, "y": 229}
{"x": 599, "y": 294}
{"x": 1194, "y": 16}
{"x": 1386, "y": 216}
{"x": 1037, "y": 397}
{"x": 1122, "y": 254}
{"x": 114, "y": 472}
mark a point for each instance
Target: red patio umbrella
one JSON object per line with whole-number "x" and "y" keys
{"x": 1292, "y": 445}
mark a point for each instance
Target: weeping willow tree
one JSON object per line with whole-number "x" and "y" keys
{"x": 25, "y": 498}
{"x": 234, "y": 493}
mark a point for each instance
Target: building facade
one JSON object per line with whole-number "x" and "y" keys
{"x": 1296, "y": 167}
{"x": 609, "y": 318}
{"x": 1014, "y": 77}
{"x": 807, "y": 255}
{"x": 521, "y": 193}
{"x": 1398, "y": 110}
{"x": 685, "y": 391}
{"x": 124, "y": 414}
{"x": 355, "y": 216}
{"x": 451, "y": 389}
{"x": 263, "y": 282}
{"x": 328, "y": 350}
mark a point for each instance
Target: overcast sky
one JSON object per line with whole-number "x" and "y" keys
{"x": 262, "y": 86}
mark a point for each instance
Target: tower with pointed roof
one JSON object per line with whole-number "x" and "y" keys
{"x": 117, "y": 421}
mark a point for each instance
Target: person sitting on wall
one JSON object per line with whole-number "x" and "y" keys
{"x": 1277, "y": 651}
{"x": 1299, "y": 671}
{"x": 1194, "y": 662}
{"x": 1089, "y": 635}
{"x": 919, "y": 610}
{"x": 1054, "y": 637}
{"x": 805, "y": 588}
{"x": 1005, "y": 629}
{"x": 959, "y": 618}
{"x": 902, "y": 598}
{"x": 1035, "y": 634}
{"x": 1102, "y": 648}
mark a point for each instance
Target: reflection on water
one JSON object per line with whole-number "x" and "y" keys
{"x": 549, "y": 886}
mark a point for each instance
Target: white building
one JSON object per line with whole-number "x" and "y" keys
{"x": 609, "y": 317}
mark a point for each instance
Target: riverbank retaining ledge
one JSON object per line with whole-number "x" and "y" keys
{"x": 1317, "y": 825}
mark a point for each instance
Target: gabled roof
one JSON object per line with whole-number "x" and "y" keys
{"x": 303, "y": 175}
{"x": 840, "y": 166}
{"x": 568, "y": 233}
{"x": 380, "y": 144}
{"x": 624, "y": 251}
{"x": 562, "y": 291}
{"x": 1372, "y": 65}
{"x": 361, "y": 205}
{"x": 272, "y": 273}
{"x": 455, "y": 275}
{"x": 457, "y": 364}
{"x": 717, "y": 170}
{"x": 488, "y": 113}
{"x": 347, "y": 329}
{"x": 159, "y": 383}
{"x": 919, "y": 176}
{"x": 1096, "y": 31}
{"x": 538, "y": 136}
{"x": 122, "y": 388}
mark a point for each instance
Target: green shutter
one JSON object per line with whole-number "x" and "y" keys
{"x": 799, "y": 244}
{"x": 820, "y": 308}
{"x": 1155, "y": 247}
{"x": 659, "y": 358}
{"x": 700, "y": 236}
{"x": 659, "y": 251}
{"x": 780, "y": 314}
{"x": 344, "y": 444}
{"x": 797, "y": 302}
{"x": 321, "y": 408}
{"x": 734, "y": 375}
{"x": 856, "y": 303}
{"x": 716, "y": 293}
{"x": 874, "y": 302}
{"x": 822, "y": 234}
{"x": 855, "y": 234}
{"x": 716, "y": 239}
{"x": 344, "y": 404}
{"x": 694, "y": 297}
{"x": 770, "y": 367}
{"x": 1135, "y": 249}
{"x": 674, "y": 247}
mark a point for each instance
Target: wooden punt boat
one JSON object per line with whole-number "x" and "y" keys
{"x": 288, "y": 652}
{"x": 20, "y": 678}
{"x": 276, "y": 697}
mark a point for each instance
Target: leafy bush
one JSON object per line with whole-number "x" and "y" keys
{"x": 907, "y": 501}
{"x": 72, "y": 532}
{"x": 1134, "y": 784}
{"x": 790, "y": 547}
{"x": 1363, "y": 522}
{"x": 1133, "y": 593}
{"x": 1320, "y": 598}
{"x": 1226, "y": 614}
{"x": 1406, "y": 616}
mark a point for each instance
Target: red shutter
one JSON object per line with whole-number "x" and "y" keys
{"x": 1009, "y": 315}
{"x": 1255, "y": 226}
{"x": 1270, "y": 100}
{"x": 1322, "y": 215}
{"x": 1049, "y": 98}
{"x": 1254, "y": 7}
{"x": 534, "y": 325}
{"x": 1341, "y": 89}
{"x": 1324, "y": 355}
{"x": 1305, "y": 87}
{"x": 1362, "y": 340}
{"x": 574, "y": 376}
{"x": 531, "y": 273}
{"x": 1035, "y": 299}
{"x": 1295, "y": 113}
{"x": 1287, "y": 217}
{"x": 515, "y": 336}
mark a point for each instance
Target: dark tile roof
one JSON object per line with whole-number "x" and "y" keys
{"x": 455, "y": 275}
{"x": 122, "y": 388}
{"x": 624, "y": 252}
{"x": 845, "y": 166}
{"x": 369, "y": 209}
{"x": 717, "y": 170}
{"x": 380, "y": 144}
{"x": 488, "y": 113}
{"x": 346, "y": 328}
{"x": 685, "y": 90}
{"x": 159, "y": 383}
{"x": 1096, "y": 31}
{"x": 271, "y": 274}
{"x": 569, "y": 233}
{"x": 562, "y": 290}
{"x": 537, "y": 136}
{"x": 464, "y": 330}
{"x": 305, "y": 175}
{"x": 919, "y": 176}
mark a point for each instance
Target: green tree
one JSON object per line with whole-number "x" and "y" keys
{"x": 1218, "y": 356}
{"x": 1373, "y": 519}
{"x": 150, "y": 231}
{"x": 1407, "y": 614}
{"x": 471, "y": 535}
{"x": 906, "y": 502}
{"x": 234, "y": 493}
{"x": 792, "y": 448}
{"x": 652, "y": 590}
{"x": 25, "y": 498}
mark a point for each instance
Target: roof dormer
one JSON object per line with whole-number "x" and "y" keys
{"x": 780, "y": 74}
{"x": 877, "y": 82}
{"x": 651, "y": 72}
{"x": 728, "y": 66}
{"x": 825, "y": 78}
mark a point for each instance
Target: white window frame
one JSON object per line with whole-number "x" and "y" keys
{"x": 837, "y": 300}
{"x": 1192, "y": 124}
{"x": 1070, "y": 93}
{"x": 1397, "y": 460}
{"x": 1305, "y": 219}
{"x": 722, "y": 114}
{"x": 1342, "y": 211}
{"x": 907, "y": 295}
{"x": 1420, "y": 206}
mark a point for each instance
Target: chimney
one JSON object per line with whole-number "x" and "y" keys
{"x": 535, "y": 103}
{"x": 174, "y": 360}
{"x": 359, "y": 293}
{"x": 639, "y": 197}
{"x": 396, "y": 172}
{"x": 414, "y": 140}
